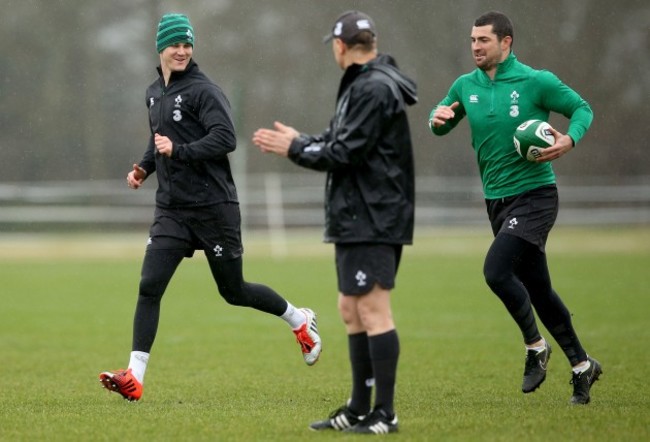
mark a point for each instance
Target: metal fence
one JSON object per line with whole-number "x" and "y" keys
{"x": 285, "y": 201}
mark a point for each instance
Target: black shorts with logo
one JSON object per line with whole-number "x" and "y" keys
{"x": 529, "y": 215}
{"x": 215, "y": 230}
{"x": 359, "y": 266}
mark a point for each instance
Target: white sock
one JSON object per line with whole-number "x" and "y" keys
{"x": 294, "y": 316}
{"x": 138, "y": 364}
{"x": 582, "y": 367}
{"x": 538, "y": 348}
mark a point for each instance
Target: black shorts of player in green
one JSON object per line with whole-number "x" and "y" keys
{"x": 517, "y": 271}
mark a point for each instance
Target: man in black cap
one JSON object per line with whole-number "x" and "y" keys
{"x": 196, "y": 203}
{"x": 369, "y": 210}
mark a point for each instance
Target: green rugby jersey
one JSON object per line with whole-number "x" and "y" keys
{"x": 496, "y": 107}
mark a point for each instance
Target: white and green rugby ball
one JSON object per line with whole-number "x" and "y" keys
{"x": 532, "y": 137}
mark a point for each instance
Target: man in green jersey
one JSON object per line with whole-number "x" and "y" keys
{"x": 521, "y": 196}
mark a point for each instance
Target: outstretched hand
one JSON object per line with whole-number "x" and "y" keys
{"x": 277, "y": 140}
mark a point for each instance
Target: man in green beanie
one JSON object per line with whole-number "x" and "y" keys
{"x": 192, "y": 134}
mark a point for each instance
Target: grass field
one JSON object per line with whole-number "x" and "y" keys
{"x": 223, "y": 373}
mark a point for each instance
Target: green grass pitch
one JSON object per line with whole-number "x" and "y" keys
{"x": 219, "y": 372}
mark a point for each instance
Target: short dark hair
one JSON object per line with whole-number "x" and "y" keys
{"x": 364, "y": 40}
{"x": 501, "y": 24}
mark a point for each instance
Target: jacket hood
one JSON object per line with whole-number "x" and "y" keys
{"x": 387, "y": 64}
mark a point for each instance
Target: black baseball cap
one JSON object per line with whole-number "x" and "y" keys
{"x": 349, "y": 25}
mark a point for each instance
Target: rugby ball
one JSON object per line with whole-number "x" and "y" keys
{"x": 532, "y": 137}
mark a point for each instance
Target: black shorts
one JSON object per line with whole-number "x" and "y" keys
{"x": 529, "y": 215}
{"x": 360, "y": 266}
{"x": 215, "y": 230}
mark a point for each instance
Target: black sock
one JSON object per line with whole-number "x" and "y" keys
{"x": 361, "y": 373}
{"x": 384, "y": 353}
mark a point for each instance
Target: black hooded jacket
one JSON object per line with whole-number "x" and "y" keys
{"x": 195, "y": 114}
{"x": 368, "y": 157}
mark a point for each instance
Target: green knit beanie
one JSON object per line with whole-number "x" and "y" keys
{"x": 172, "y": 29}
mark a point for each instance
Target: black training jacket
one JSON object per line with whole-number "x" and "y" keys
{"x": 368, "y": 157}
{"x": 195, "y": 114}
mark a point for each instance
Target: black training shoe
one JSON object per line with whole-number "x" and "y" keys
{"x": 535, "y": 369}
{"x": 377, "y": 422}
{"x": 582, "y": 382}
{"x": 339, "y": 420}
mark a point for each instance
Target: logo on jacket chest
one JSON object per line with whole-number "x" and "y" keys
{"x": 513, "y": 106}
{"x": 177, "y": 115}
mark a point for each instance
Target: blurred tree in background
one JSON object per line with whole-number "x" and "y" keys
{"x": 74, "y": 73}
